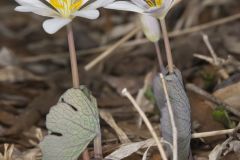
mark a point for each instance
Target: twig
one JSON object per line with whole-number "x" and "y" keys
{"x": 111, "y": 49}
{"x": 205, "y": 26}
{"x": 173, "y": 124}
{"x": 208, "y": 59}
{"x": 213, "y": 99}
{"x": 229, "y": 61}
{"x": 148, "y": 124}
{"x": 167, "y": 45}
{"x": 210, "y": 48}
{"x": 108, "y": 118}
{"x": 212, "y": 133}
{"x": 216, "y": 60}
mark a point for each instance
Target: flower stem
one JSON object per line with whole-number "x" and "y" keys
{"x": 74, "y": 68}
{"x": 159, "y": 56}
{"x": 73, "y": 57}
{"x": 98, "y": 147}
{"x": 167, "y": 45}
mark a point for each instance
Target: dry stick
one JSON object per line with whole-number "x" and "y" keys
{"x": 173, "y": 124}
{"x": 228, "y": 61}
{"x": 76, "y": 84}
{"x": 148, "y": 124}
{"x": 213, "y": 99}
{"x": 209, "y": 59}
{"x": 167, "y": 45}
{"x": 216, "y": 61}
{"x": 111, "y": 49}
{"x": 212, "y": 133}
{"x": 205, "y": 26}
{"x": 210, "y": 48}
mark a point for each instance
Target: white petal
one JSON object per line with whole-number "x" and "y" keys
{"x": 89, "y": 14}
{"x": 35, "y": 3}
{"x": 36, "y": 10}
{"x": 51, "y": 26}
{"x": 157, "y": 12}
{"x": 160, "y": 12}
{"x": 36, "y": 7}
{"x": 150, "y": 27}
{"x": 124, "y": 6}
{"x": 99, "y": 3}
{"x": 141, "y": 3}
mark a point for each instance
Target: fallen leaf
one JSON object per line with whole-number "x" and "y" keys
{"x": 7, "y": 58}
{"x": 232, "y": 43}
{"x": 15, "y": 74}
{"x": 202, "y": 113}
{"x": 230, "y": 95}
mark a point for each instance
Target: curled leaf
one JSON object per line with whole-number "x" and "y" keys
{"x": 181, "y": 109}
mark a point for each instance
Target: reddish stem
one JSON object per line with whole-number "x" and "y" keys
{"x": 74, "y": 68}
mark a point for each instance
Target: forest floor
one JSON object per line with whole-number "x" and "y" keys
{"x": 35, "y": 71}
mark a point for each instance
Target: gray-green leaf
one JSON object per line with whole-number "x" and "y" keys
{"x": 73, "y": 123}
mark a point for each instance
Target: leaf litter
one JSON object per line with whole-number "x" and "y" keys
{"x": 128, "y": 66}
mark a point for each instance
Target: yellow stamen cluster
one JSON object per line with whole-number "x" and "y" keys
{"x": 154, "y": 3}
{"x": 66, "y": 7}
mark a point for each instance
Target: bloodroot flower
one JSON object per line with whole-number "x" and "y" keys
{"x": 151, "y": 11}
{"x": 62, "y": 12}
{"x": 155, "y": 8}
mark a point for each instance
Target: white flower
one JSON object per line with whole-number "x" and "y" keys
{"x": 61, "y": 12}
{"x": 150, "y": 10}
{"x": 155, "y": 8}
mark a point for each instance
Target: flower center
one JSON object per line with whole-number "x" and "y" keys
{"x": 154, "y": 3}
{"x": 66, "y": 7}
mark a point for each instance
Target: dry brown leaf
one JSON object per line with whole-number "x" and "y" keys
{"x": 230, "y": 95}
{"x": 7, "y": 58}
{"x": 32, "y": 154}
{"x": 15, "y": 74}
{"x": 8, "y": 151}
{"x": 202, "y": 114}
{"x": 232, "y": 43}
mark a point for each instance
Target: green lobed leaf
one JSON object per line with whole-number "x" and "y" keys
{"x": 72, "y": 123}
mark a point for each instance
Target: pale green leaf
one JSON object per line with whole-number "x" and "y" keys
{"x": 73, "y": 123}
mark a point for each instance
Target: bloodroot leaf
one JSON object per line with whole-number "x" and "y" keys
{"x": 73, "y": 123}
{"x": 181, "y": 111}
